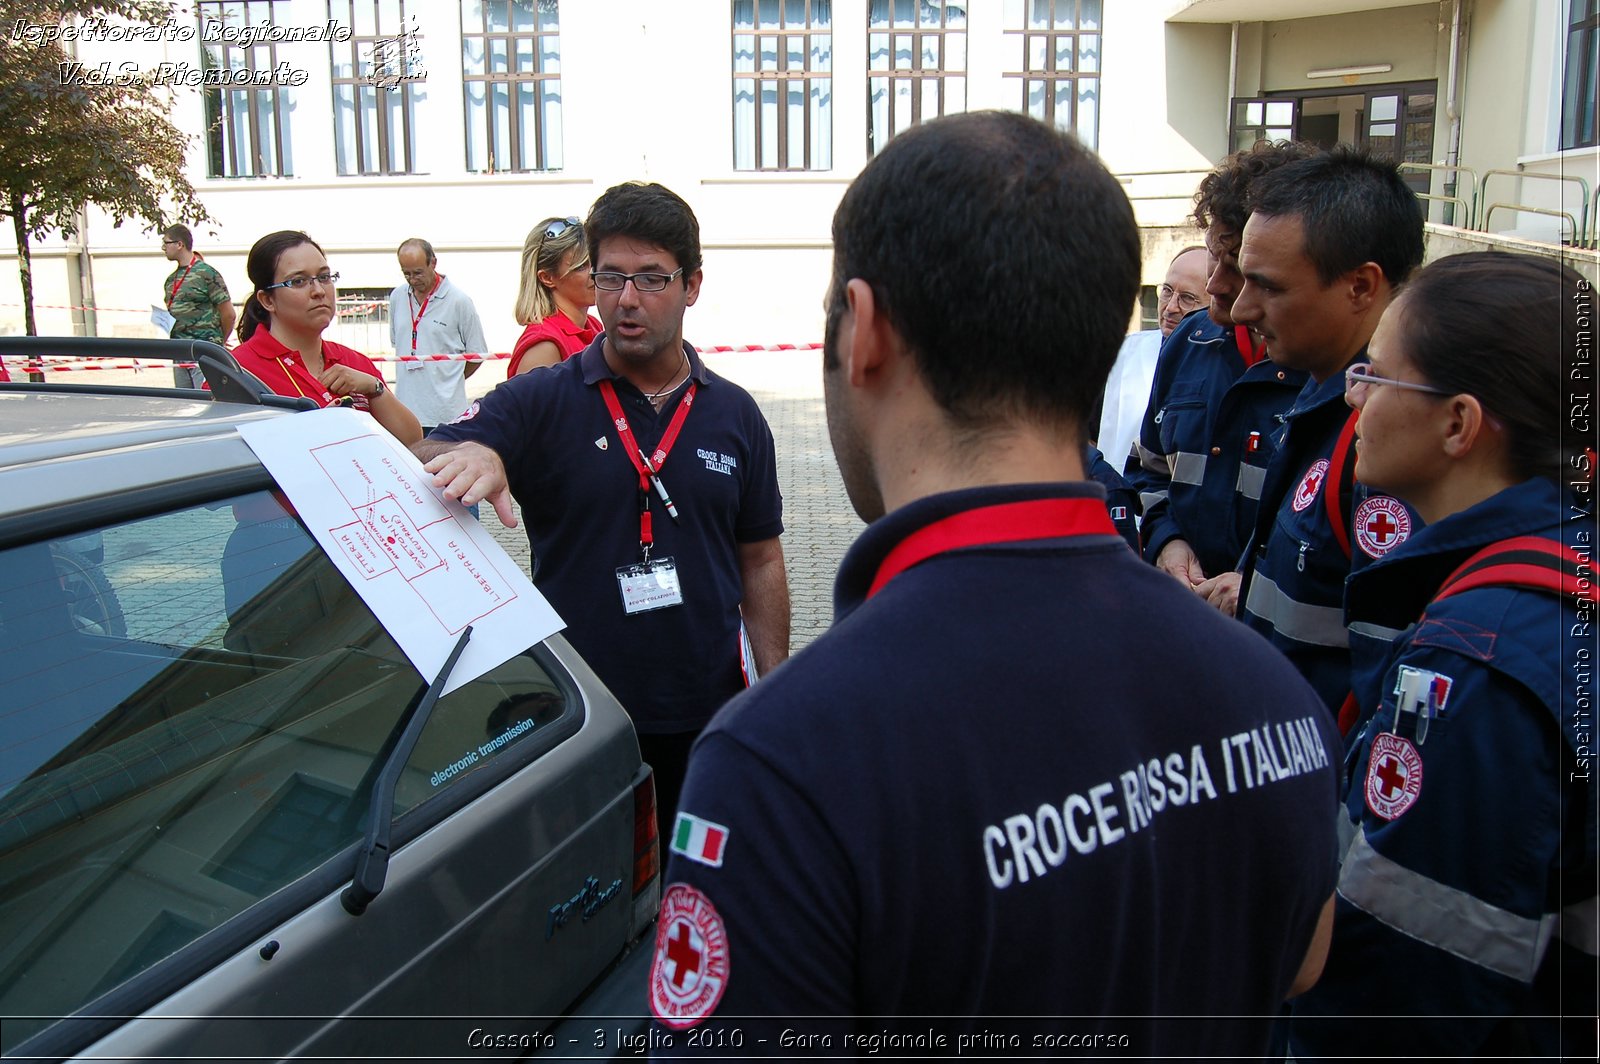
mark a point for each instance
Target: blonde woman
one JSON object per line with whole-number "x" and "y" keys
{"x": 555, "y": 297}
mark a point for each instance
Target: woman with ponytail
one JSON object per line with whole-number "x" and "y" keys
{"x": 281, "y": 335}
{"x": 1466, "y": 921}
{"x": 555, "y": 297}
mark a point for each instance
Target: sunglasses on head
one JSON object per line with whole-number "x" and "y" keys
{"x": 556, "y": 228}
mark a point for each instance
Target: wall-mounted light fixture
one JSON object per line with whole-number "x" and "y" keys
{"x": 1349, "y": 71}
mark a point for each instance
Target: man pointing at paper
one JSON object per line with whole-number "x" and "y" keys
{"x": 649, "y": 485}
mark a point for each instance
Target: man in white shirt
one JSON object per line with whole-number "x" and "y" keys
{"x": 430, "y": 316}
{"x": 1128, "y": 388}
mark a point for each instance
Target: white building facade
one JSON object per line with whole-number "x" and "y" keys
{"x": 467, "y": 123}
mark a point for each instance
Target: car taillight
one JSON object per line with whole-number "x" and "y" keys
{"x": 646, "y": 839}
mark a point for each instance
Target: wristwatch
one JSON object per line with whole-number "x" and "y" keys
{"x": 380, "y": 389}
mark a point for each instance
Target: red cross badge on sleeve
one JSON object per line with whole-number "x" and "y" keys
{"x": 690, "y": 970}
{"x": 1381, "y": 524}
{"x": 1310, "y": 485}
{"x": 1394, "y": 776}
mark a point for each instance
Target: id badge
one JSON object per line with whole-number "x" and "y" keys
{"x": 651, "y": 585}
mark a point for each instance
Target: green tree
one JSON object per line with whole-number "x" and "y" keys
{"x": 68, "y": 144}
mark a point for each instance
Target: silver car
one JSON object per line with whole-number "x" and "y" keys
{"x": 235, "y": 820}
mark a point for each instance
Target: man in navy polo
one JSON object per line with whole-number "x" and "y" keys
{"x": 953, "y": 807}
{"x": 649, "y": 485}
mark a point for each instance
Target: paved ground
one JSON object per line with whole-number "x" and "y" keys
{"x": 820, "y": 522}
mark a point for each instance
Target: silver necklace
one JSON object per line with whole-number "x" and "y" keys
{"x": 671, "y": 386}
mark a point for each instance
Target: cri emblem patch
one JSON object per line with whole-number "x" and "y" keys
{"x": 1381, "y": 525}
{"x": 1306, "y": 493}
{"x": 691, "y": 964}
{"x": 1394, "y": 776}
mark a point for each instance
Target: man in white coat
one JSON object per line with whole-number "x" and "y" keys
{"x": 1128, "y": 388}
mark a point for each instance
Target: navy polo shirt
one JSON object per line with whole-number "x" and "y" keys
{"x": 670, "y": 668}
{"x": 960, "y": 803}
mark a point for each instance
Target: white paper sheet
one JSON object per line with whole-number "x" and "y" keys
{"x": 420, "y": 562}
{"x": 162, "y": 319}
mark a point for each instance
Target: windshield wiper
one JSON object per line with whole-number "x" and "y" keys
{"x": 372, "y": 861}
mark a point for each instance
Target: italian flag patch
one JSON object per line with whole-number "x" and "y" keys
{"x": 699, "y": 840}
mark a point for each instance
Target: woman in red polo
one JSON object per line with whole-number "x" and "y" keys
{"x": 555, "y": 297}
{"x": 281, "y": 335}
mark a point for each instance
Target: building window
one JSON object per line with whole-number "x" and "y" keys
{"x": 1578, "y": 97}
{"x": 917, "y": 61}
{"x": 247, "y": 128}
{"x": 511, "y": 67}
{"x": 782, "y": 84}
{"x": 1053, "y": 56}
{"x": 376, "y": 86}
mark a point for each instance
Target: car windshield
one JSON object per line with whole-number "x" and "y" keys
{"x": 195, "y": 706}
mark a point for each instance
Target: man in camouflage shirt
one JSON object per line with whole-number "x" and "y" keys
{"x": 197, "y": 298}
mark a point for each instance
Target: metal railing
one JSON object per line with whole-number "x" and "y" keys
{"x": 1582, "y": 233}
{"x": 1468, "y": 203}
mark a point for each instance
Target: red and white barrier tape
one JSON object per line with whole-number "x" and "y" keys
{"x": 366, "y": 306}
{"x": 76, "y": 364}
{"x": 60, "y": 366}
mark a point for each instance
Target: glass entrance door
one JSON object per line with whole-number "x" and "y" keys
{"x": 1392, "y": 120}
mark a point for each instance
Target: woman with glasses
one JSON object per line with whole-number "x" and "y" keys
{"x": 281, "y": 335}
{"x": 555, "y": 297}
{"x": 1466, "y": 916}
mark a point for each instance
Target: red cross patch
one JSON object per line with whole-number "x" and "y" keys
{"x": 1381, "y": 524}
{"x": 691, "y": 964}
{"x": 1394, "y": 776}
{"x": 1306, "y": 493}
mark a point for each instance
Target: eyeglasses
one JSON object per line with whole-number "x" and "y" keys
{"x": 607, "y": 281}
{"x": 555, "y": 229}
{"x": 164, "y": 243}
{"x": 323, "y": 278}
{"x": 1186, "y": 300}
{"x": 1360, "y": 374}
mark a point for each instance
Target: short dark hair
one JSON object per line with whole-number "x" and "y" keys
{"x": 421, "y": 245}
{"x": 181, "y": 234}
{"x": 1224, "y": 193}
{"x": 261, "y": 266}
{"x": 1506, "y": 329}
{"x": 649, "y": 213}
{"x": 1004, "y": 255}
{"x": 1353, "y": 208}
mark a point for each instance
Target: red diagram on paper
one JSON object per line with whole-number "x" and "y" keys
{"x": 399, "y": 527}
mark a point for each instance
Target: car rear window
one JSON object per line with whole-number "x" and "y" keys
{"x": 195, "y": 707}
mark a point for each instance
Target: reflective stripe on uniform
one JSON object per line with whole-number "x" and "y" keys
{"x": 1442, "y": 916}
{"x": 1188, "y": 468}
{"x": 1147, "y": 499}
{"x": 1376, "y": 631}
{"x": 1580, "y": 926}
{"x": 1151, "y": 460}
{"x": 1322, "y": 625}
{"x": 1251, "y": 478}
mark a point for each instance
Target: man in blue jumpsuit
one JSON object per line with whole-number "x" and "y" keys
{"x": 1214, "y": 403}
{"x": 656, "y": 597}
{"x": 1329, "y": 240}
{"x": 953, "y": 807}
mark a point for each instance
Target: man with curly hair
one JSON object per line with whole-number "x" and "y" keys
{"x": 1202, "y": 451}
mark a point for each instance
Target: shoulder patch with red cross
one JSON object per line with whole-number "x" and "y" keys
{"x": 1394, "y": 775}
{"x": 1310, "y": 485}
{"x": 1381, "y": 524}
{"x": 690, "y": 970}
